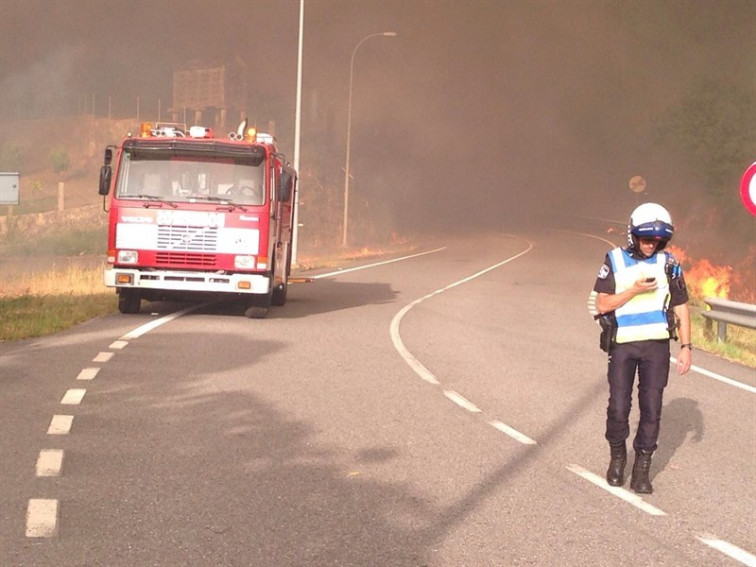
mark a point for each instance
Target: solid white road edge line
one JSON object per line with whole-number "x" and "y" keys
{"x": 147, "y": 327}
{"x": 373, "y": 265}
{"x": 626, "y": 495}
{"x": 396, "y": 338}
{"x": 732, "y": 551}
{"x": 42, "y": 518}
{"x": 609, "y": 242}
{"x": 715, "y": 376}
{"x": 417, "y": 366}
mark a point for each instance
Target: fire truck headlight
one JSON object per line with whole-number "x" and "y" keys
{"x": 127, "y": 256}
{"x": 244, "y": 262}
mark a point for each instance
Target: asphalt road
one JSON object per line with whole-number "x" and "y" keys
{"x": 445, "y": 409}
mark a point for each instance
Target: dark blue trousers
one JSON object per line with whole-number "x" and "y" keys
{"x": 650, "y": 359}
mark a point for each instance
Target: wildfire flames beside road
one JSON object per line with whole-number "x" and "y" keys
{"x": 707, "y": 279}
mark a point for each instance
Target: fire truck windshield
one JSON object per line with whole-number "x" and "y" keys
{"x": 172, "y": 177}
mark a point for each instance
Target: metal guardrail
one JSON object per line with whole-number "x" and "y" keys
{"x": 725, "y": 312}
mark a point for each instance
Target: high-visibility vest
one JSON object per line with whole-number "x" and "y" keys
{"x": 644, "y": 317}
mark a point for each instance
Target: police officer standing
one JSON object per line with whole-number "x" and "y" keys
{"x": 642, "y": 298}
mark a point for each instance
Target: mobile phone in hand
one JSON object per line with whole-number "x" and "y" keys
{"x": 649, "y": 280}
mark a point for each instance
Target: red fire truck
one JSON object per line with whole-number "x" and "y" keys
{"x": 194, "y": 215}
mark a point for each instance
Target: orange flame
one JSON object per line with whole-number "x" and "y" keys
{"x": 705, "y": 279}
{"x": 708, "y": 280}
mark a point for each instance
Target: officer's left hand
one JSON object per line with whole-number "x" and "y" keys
{"x": 684, "y": 360}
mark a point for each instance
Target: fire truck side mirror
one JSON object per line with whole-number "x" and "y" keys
{"x": 106, "y": 173}
{"x": 285, "y": 185}
{"x": 108, "y": 156}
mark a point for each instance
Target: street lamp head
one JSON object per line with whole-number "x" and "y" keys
{"x": 390, "y": 34}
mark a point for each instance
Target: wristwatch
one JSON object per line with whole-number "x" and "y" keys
{"x": 687, "y": 345}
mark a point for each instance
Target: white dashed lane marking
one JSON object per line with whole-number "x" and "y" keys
{"x": 620, "y": 492}
{"x": 87, "y": 373}
{"x": 50, "y": 462}
{"x": 42, "y": 518}
{"x": 60, "y": 425}
{"x": 513, "y": 433}
{"x": 42, "y": 514}
{"x": 461, "y": 401}
{"x": 730, "y": 550}
{"x": 720, "y": 545}
{"x": 73, "y": 397}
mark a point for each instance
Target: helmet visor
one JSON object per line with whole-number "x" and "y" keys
{"x": 657, "y": 230}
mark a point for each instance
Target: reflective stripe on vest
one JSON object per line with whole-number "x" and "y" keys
{"x": 644, "y": 316}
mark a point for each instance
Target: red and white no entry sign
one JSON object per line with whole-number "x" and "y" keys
{"x": 748, "y": 189}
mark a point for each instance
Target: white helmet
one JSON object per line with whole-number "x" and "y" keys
{"x": 650, "y": 220}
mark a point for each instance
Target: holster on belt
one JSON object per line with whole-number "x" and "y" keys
{"x": 608, "y": 332}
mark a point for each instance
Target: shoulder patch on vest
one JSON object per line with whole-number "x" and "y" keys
{"x": 673, "y": 267}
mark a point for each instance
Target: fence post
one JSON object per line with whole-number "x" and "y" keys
{"x": 61, "y": 194}
{"x": 721, "y": 331}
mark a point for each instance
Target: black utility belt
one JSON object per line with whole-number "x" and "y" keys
{"x": 608, "y": 325}
{"x": 660, "y": 341}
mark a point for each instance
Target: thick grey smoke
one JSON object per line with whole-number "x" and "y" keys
{"x": 476, "y": 114}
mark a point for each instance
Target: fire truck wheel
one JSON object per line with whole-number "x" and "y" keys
{"x": 129, "y": 301}
{"x": 279, "y": 294}
{"x": 256, "y": 312}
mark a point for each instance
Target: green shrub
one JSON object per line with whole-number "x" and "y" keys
{"x": 10, "y": 158}
{"x": 59, "y": 160}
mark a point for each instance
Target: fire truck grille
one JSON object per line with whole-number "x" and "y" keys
{"x": 185, "y": 259}
{"x": 187, "y": 238}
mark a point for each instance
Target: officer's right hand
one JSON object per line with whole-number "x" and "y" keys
{"x": 642, "y": 285}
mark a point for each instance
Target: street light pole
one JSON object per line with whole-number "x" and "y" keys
{"x": 349, "y": 132}
{"x": 297, "y": 133}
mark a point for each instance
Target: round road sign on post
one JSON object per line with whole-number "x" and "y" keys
{"x": 748, "y": 189}
{"x": 637, "y": 184}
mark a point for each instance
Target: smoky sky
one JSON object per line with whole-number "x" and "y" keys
{"x": 476, "y": 110}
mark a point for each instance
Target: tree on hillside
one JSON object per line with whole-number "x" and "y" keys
{"x": 712, "y": 127}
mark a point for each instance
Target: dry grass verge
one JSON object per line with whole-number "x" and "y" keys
{"x": 35, "y": 304}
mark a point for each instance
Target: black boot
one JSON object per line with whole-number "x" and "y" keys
{"x": 639, "y": 480}
{"x": 615, "y": 474}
